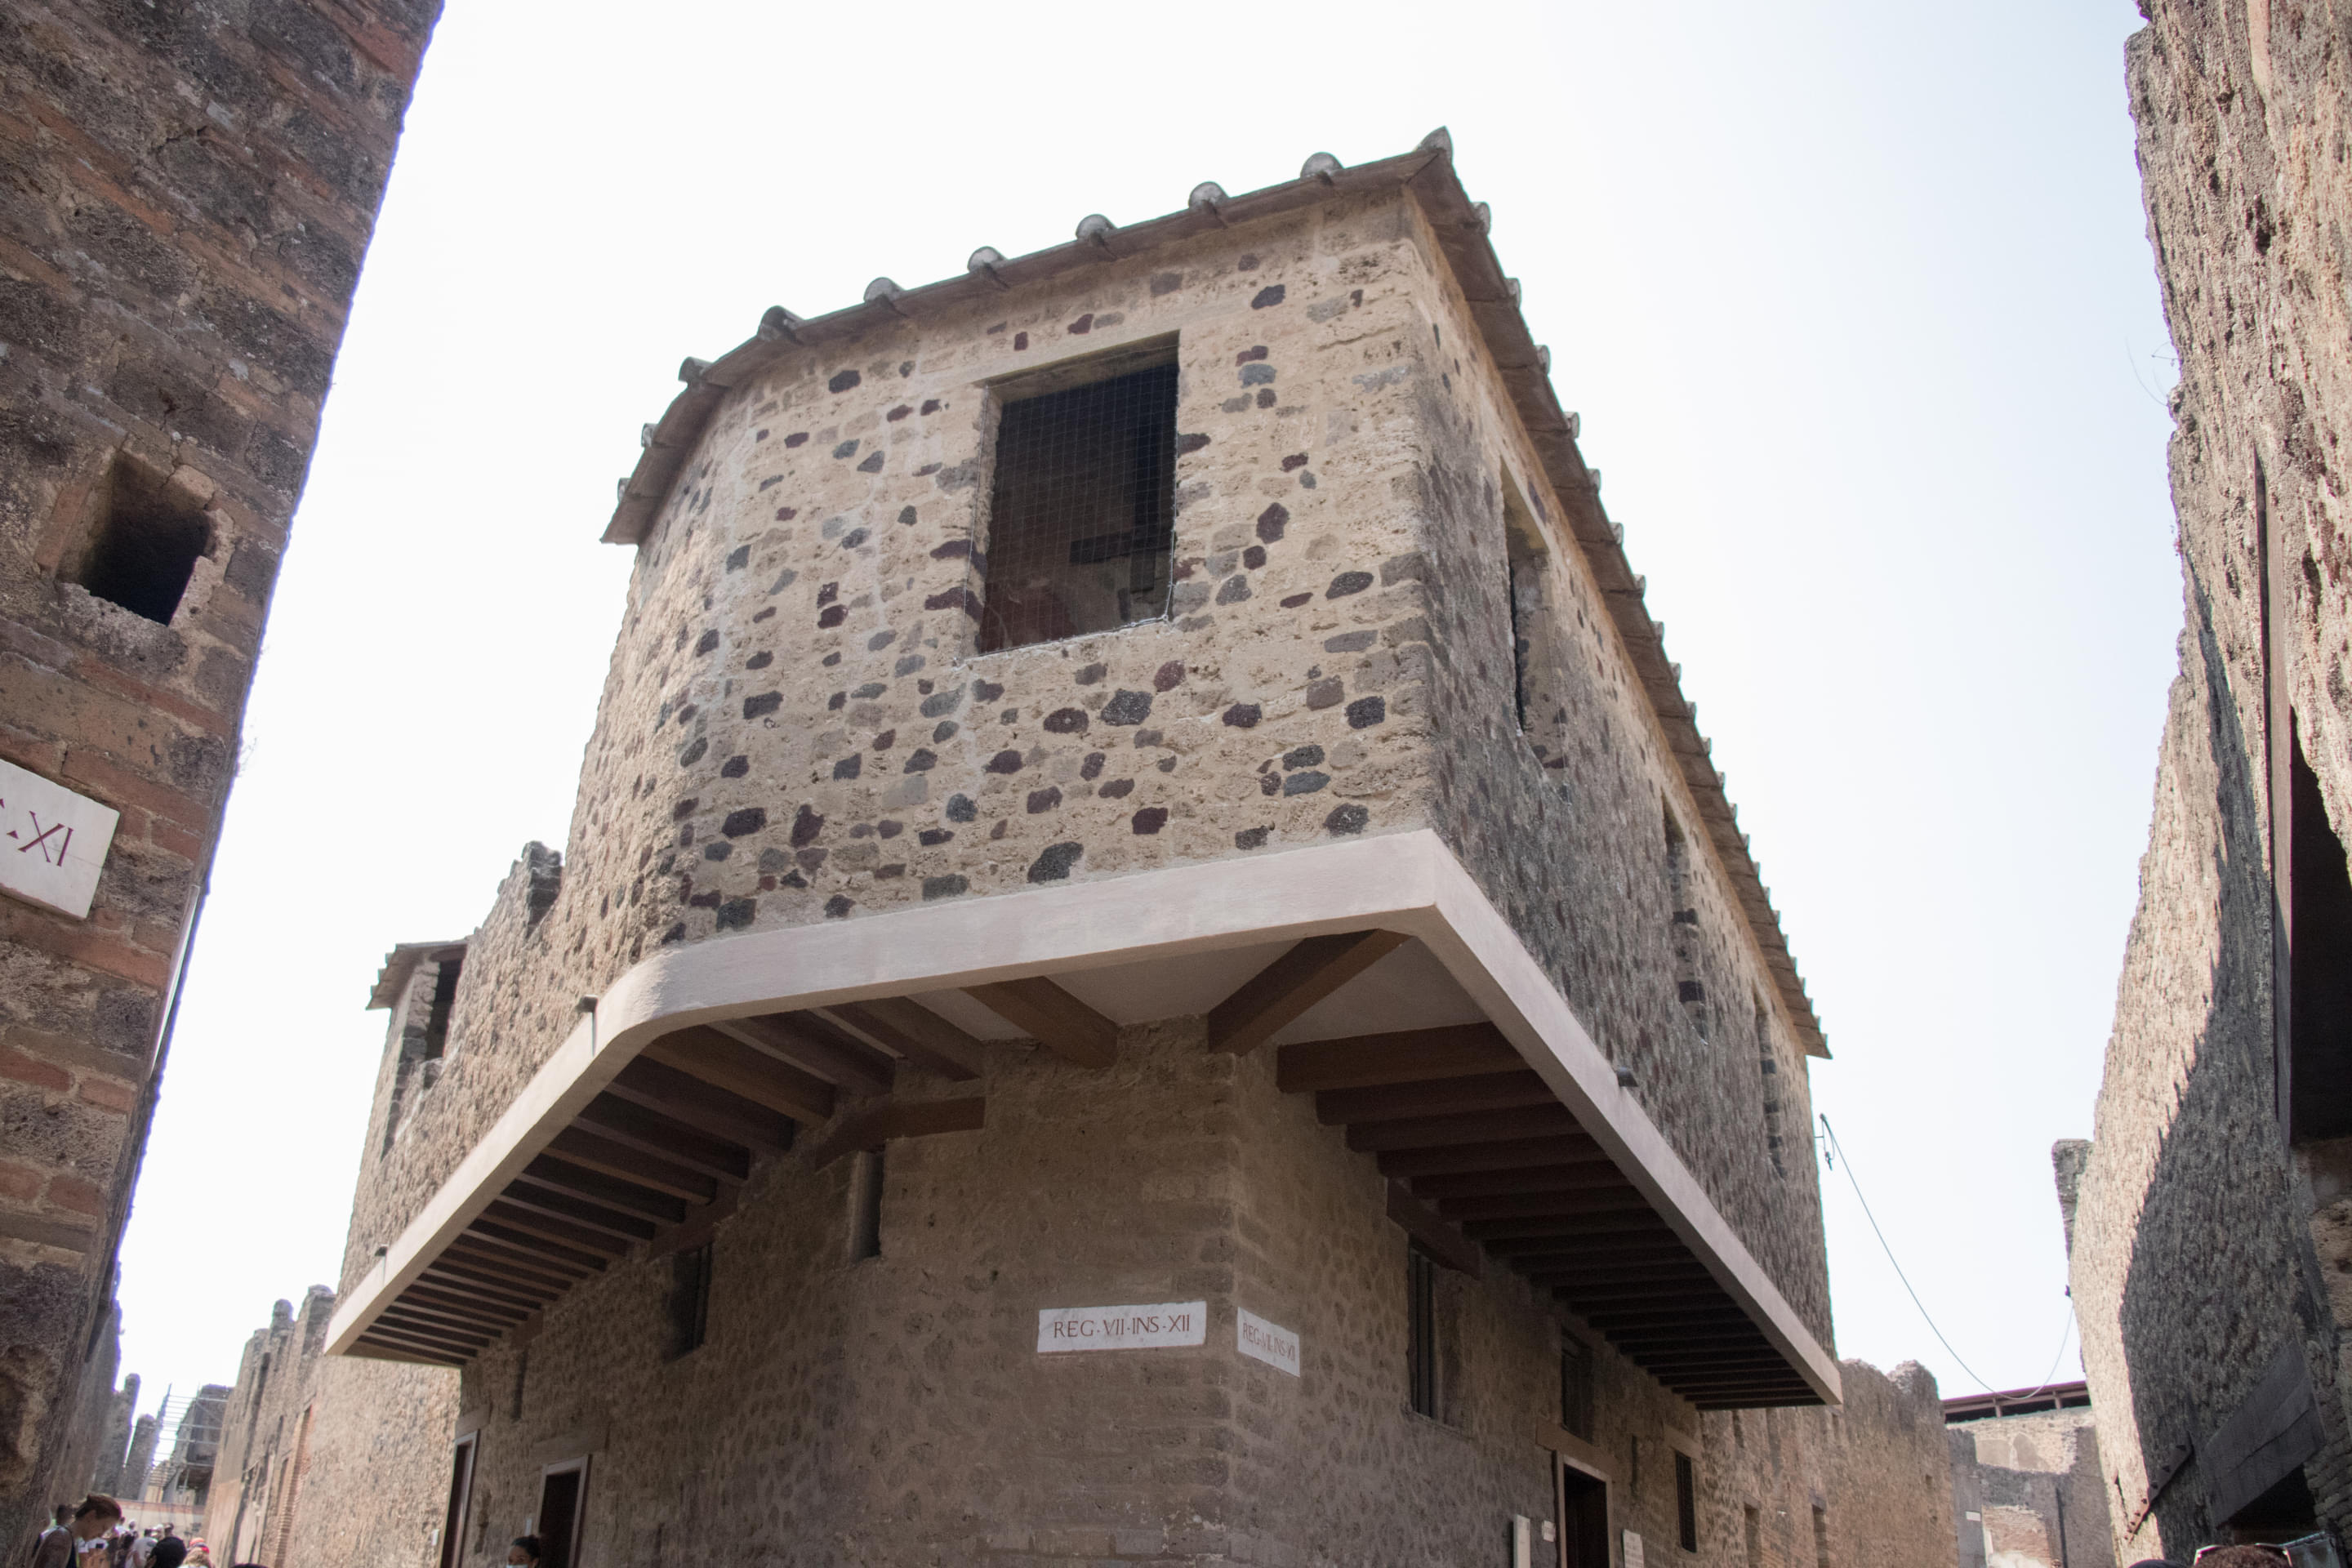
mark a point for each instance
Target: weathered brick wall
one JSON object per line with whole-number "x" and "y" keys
{"x": 2194, "y": 1261}
{"x": 327, "y": 1459}
{"x": 795, "y": 727}
{"x": 189, "y": 193}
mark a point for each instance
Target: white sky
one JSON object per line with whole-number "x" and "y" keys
{"x": 1854, "y": 298}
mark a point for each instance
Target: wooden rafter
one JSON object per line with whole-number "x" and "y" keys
{"x": 876, "y": 1125}
{"x": 916, "y": 1033}
{"x": 665, "y": 1137}
{"x": 592, "y": 1150}
{"x": 683, "y": 1097}
{"x": 819, "y": 1045}
{"x": 1056, "y": 1020}
{"x": 1408, "y": 1056}
{"x": 1306, "y": 974}
{"x": 724, "y": 1062}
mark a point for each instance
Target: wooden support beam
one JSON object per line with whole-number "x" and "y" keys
{"x": 376, "y": 1349}
{"x": 430, "y": 1330}
{"x": 1602, "y": 1177}
{"x": 1439, "y": 1239}
{"x": 1620, "y": 1200}
{"x": 496, "y": 1228}
{"x": 681, "y": 1096}
{"x": 408, "y": 1347}
{"x": 663, "y": 1137}
{"x": 1594, "y": 1282}
{"x": 876, "y": 1125}
{"x": 526, "y": 1267}
{"x": 1275, "y": 995}
{"x": 459, "y": 1302}
{"x": 1410, "y": 1056}
{"x": 1567, "y": 1251}
{"x": 1597, "y": 1264}
{"x": 1687, "y": 1340}
{"x": 629, "y": 1198}
{"x": 1418, "y": 1101}
{"x": 484, "y": 1284}
{"x": 916, "y": 1033}
{"x": 1496, "y": 1231}
{"x": 594, "y": 1151}
{"x": 1482, "y": 1127}
{"x": 1056, "y": 1020}
{"x": 816, "y": 1042}
{"x": 1513, "y": 1154}
{"x": 548, "y": 1203}
{"x": 718, "y": 1057}
{"x": 531, "y": 1222}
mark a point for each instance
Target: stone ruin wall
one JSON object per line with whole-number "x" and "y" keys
{"x": 191, "y": 192}
{"x": 894, "y": 1408}
{"x": 328, "y": 1459}
{"x": 1333, "y": 508}
{"x": 2031, "y": 1493}
{"x": 2240, "y": 113}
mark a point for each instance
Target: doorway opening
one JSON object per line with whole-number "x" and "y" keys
{"x": 563, "y": 1490}
{"x": 1583, "y": 1518}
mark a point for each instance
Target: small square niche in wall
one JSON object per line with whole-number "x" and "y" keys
{"x": 146, "y": 535}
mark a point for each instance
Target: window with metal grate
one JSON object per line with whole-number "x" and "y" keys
{"x": 1082, "y": 511}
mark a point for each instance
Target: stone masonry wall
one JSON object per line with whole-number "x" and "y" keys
{"x": 795, "y": 726}
{"x": 2194, "y": 1256}
{"x": 189, "y": 193}
{"x": 2031, "y": 1493}
{"x": 894, "y": 1409}
{"x": 328, "y": 1461}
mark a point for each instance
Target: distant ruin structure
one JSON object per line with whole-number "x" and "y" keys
{"x": 2212, "y": 1218}
{"x": 191, "y": 190}
{"x": 2027, "y": 1489}
{"x": 371, "y": 1438}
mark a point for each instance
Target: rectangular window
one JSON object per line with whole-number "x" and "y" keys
{"x": 148, "y": 534}
{"x": 1820, "y": 1536}
{"x": 690, "y": 1299}
{"x": 1686, "y": 1501}
{"x": 1421, "y": 1349}
{"x": 1082, "y": 506}
{"x": 866, "y": 1206}
{"x": 1752, "y": 1523}
{"x": 1576, "y": 1388}
{"x": 445, "y": 997}
{"x": 2318, "y": 899}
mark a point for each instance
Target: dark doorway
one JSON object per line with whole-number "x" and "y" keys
{"x": 1583, "y": 1519}
{"x": 2286, "y": 1513}
{"x": 461, "y": 1498}
{"x": 2319, "y": 996}
{"x": 560, "y": 1493}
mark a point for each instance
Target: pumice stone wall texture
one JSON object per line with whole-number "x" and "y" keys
{"x": 190, "y": 191}
{"x": 2211, "y": 1259}
{"x": 1150, "y": 965}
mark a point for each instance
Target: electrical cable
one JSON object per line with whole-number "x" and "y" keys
{"x": 2065, "y": 1329}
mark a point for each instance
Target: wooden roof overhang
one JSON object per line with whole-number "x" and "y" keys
{"x": 1426, "y": 174}
{"x": 1430, "y": 1034}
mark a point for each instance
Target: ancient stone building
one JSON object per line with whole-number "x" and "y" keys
{"x": 190, "y": 190}
{"x": 2027, "y": 1489}
{"x": 1150, "y": 963}
{"x": 2212, "y": 1253}
{"x": 372, "y": 1437}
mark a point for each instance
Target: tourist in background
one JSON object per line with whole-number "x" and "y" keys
{"x": 55, "y": 1547}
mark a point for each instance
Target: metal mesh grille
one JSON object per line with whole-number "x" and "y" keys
{"x": 1083, "y": 514}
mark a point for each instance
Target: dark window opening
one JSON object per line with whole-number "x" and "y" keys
{"x": 1576, "y": 1388}
{"x": 690, "y": 1299}
{"x": 1686, "y": 1501}
{"x": 1421, "y": 1332}
{"x": 445, "y": 997}
{"x": 1583, "y": 1519}
{"x": 560, "y": 1490}
{"x": 1768, "y": 1067}
{"x": 148, "y": 537}
{"x": 1082, "y": 513}
{"x": 2319, "y": 991}
{"x": 461, "y": 1497}
{"x": 866, "y": 1208}
{"x": 1822, "y": 1533}
{"x": 1538, "y": 658}
{"x": 1752, "y": 1521}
